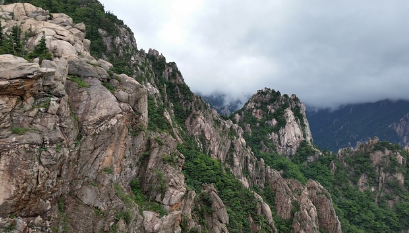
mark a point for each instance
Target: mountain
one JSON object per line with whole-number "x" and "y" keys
{"x": 351, "y": 124}
{"x": 86, "y": 147}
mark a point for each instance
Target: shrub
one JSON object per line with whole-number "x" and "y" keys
{"x": 78, "y": 81}
{"x": 41, "y": 50}
{"x": 19, "y": 130}
{"x": 108, "y": 86}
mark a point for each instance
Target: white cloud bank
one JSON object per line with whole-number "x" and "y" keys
{"x": 326, "y": 52}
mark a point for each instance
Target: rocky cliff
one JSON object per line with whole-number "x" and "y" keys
{"x": 276, "y": 122}
{"x": 378, "y": 167}
{"x": 84, "y": 149}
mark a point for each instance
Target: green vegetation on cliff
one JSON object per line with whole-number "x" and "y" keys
{"x": 201, "y": 169}
{"x": 15, "y": 43}
{"x": 369, "y": 210}
{"x": 358, "y": 211}
{"x": 93, "y": 15}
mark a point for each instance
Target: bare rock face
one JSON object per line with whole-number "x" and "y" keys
{"x": 161, "y": 179}
{"x": 33, "y": 142}
{"x": 284, "y": 117}
{"x": 219, "y": 217}
{"x": 22, "y": 11}
{"x": 124, "y": 43}
{"x": 17, "y": 76}
{"x": 306, "y": 219}
{"x": 321, "y": 199}
{"x": 168, "y": 223}
{"x": 84, "y": 68}
{"x": 402, "y": 129}
{"x": 60, "y": 140}
{"x": 266, "y": 211}
{"x": 290, "y": 136}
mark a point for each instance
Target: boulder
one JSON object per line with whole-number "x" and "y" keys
{"x": 86, "y": 68}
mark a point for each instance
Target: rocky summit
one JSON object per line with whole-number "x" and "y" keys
{"x": 87, "y": 148}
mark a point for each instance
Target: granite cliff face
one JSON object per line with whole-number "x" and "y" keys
{"x": 84, "y": 149}
{"x": 280, "y": 118}
{"x": 225, "y": 141}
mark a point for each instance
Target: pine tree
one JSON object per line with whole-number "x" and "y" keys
{"x": 7, "y": 45}
{"x": 41, "y": 51}
{"x": 1, "y": 35}
{"x": 18, "y": 47}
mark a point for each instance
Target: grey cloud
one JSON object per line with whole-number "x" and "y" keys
{"x": 327, "y": 52}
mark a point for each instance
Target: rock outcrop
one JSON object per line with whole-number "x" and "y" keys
{"x": 225, "y": 141}
{"x": 380, "y": 169}
{"x": 283, "y": 116}
{"x": 402, "y": 129}
{"x": 219, "y": 218}
{"x": 64, "y": 135}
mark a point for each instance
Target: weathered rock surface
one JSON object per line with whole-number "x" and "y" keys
{"x": 168, "y": 223}
{"x": 321, "y": 199}
{"x": 266, "y": 211}
{"x": 214, "y": 136}
{"x": 31, "y": 133}
{"x": 268, "y": 107}
{"x": 17, "y": 76}
{"x": 402, "y": 129}
{"x": 60, "y": 140}
{"x": 289, "y": 138}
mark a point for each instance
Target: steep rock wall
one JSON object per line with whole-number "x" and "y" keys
{"x": 224, "y": 140}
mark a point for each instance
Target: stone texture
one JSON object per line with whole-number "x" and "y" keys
{"x": 306, "y": 219}
{"x": 322, "y": 201}
{"x": 18, "y": 77}
{"x": 290, "y": 136}
{"x": 152, "y": 223}
{"x": 219, "y": 218}
{"x": 266, "y": 211}
{"x": 85, "y": 68}
{"x": 61, "y": 19}
{"x": 71, "y": 134}
{"x": 402, "y": 129}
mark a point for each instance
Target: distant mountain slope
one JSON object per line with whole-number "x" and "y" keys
{"x": 355, "y": 123}
{"x": 217, "y": 101}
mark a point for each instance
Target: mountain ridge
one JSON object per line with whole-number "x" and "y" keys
{"x": 98, "y": 150}
{"x": 350, "y": 124}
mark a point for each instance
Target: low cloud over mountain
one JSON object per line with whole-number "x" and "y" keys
{"x": 327, "y": 53}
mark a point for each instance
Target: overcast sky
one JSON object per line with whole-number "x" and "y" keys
{"x": 326, "y": 52}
